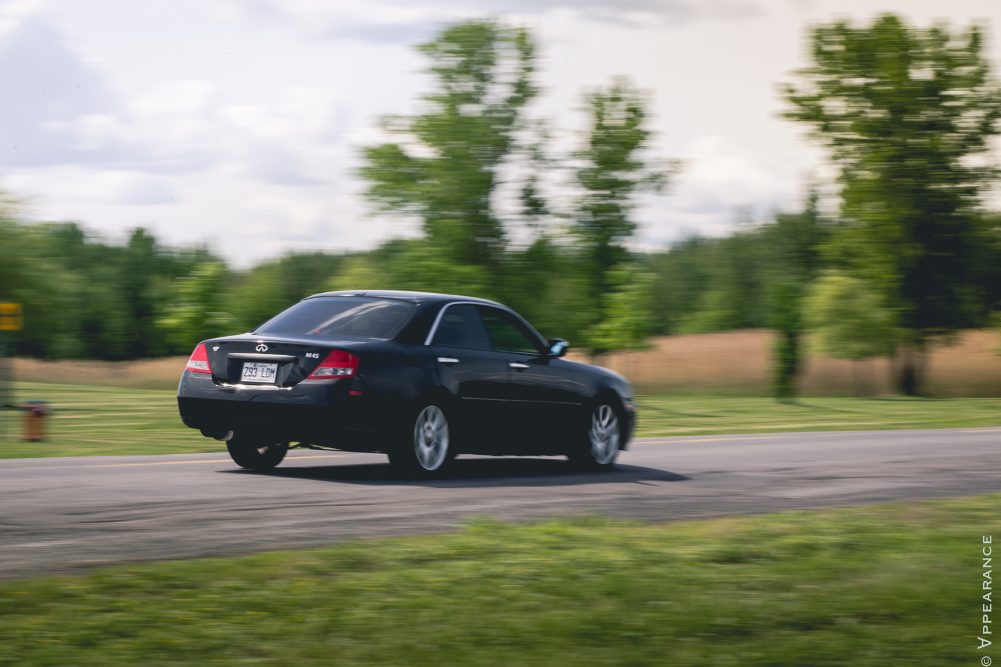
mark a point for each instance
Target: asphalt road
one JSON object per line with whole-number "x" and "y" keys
{"x": 67, "y": 514}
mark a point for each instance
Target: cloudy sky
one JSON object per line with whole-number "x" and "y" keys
{"x": 239, "y": 122}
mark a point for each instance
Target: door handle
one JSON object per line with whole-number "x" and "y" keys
{"x": 447, "y": 360}
{"x": 518, "y": 366}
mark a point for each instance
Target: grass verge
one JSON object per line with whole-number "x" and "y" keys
{"x": 102, "y": 420}
{"x": 667, "y": 415}
{"x": 881, "y": 585}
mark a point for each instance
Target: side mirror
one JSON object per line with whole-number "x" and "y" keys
{"x": 558, "y": 347}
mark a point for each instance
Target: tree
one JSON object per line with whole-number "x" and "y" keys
{"x": 612, "y": 172}
{"x": 196, "y": 308}
{"x": 27, "y": 279}
{"x": 628, "y": 315}
{"x": 794, "y": 242}
{"x": 358, "y": 272}
{"x": 442, "y": 165}
{"x": 145, "y": 275}
{"x": 988, "y": 269}
{"x": 904, "y": 114}
{"x": 849, "y": 318}
{"x": 734, "y": 286}
{"x": 786, "y": 297}
{"x": 276, "y": 284}
{"x": 421, "y": 266}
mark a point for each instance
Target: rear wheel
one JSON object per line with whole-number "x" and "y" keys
{"x": 427, "y": 451}
{"x": 599, "y": 447}
{"x": 255, "y": 453}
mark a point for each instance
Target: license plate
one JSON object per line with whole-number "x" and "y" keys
{"x": 258, "y": 372}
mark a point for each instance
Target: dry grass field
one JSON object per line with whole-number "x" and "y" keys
{"x": 736, "y": 362}
{"x": 739, "y": 362}
{"x": 143, "y": 374}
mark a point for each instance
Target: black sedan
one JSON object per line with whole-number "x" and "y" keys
{"x": 421, "y": 377}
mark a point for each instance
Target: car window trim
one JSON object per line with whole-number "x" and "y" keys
{"x": 540, "y": 350}
{"x": 480, "y": 304}
{"x": 441, "y": 313}
{"x": 320, "y": 297}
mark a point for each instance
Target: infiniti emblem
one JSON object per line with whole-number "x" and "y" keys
{"x": 261, "y": 347}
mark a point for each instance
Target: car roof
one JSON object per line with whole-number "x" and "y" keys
{"x": 405, "y": 295}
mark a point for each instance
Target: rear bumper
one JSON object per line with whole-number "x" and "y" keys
{"x": 314, "y": 412}
{"x": 206, "y": 413}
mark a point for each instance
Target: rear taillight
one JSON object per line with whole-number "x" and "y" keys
{"x": 199, "y": 360}
{"x": 338, "y": 364}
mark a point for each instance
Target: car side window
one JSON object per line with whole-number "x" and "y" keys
{"x": 460, "y": 326}
{"x": 507, "y": 333}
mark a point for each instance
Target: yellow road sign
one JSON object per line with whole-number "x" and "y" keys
{"x": 11, "y": 318}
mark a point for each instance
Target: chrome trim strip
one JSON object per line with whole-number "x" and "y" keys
{"x": 262, "y": 386}
{"x": 519, "y": 366}
{"x": 257, "y": 356}
{"x": 437, "y": 318}
{"x": 525, "y": 400}
{"x": 447, "y": 360}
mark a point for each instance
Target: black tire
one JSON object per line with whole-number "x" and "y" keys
{"x": 423, "y": 448}
{"x": 255, "y": 453}
{"x": 600, "y": 440}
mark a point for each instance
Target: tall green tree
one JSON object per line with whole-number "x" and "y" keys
{"x": 733, "y": 293}
{"x": 197, "y": 308}
{"x": 850, "y": 319}
{"x": 274, "y": 285}
{"x": 785, "y": 318}
{"x": 146, "y": 272}
{"x": 442, "y": 165}
{"x": 793, "y": 244}
{"x": 905, "y": 113}
{"x": 613, "y": 169}
{"x": 627, "y": 306}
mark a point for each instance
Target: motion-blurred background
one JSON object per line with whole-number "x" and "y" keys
{"x": 771, "y": 215}
{"x": 817, "y": 176}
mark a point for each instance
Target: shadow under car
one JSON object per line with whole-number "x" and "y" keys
{"x": 472, "y": 472}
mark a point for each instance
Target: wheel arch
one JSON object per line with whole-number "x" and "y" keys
{"x": 437, "y": 393}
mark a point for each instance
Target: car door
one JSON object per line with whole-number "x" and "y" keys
{"x": 473, "y": 372}
{"x": 545, "y": 397}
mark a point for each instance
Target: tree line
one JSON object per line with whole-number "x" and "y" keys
{"x": 905, "y": 257}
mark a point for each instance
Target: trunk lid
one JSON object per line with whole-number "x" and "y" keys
{"x": 271, "y": 361}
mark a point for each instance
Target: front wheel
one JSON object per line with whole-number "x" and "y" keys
{"x": 255, "y": 454}
{"x": 427, "y": 451}
{"x": 598, "y": 449}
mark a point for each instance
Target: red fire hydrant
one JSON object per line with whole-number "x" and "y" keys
{"x": 35, "y": 413}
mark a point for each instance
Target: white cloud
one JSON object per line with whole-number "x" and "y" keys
{"x": 46, "y": 89}
{"x": 400, "y": 20}
{"x": 97, "y": 130}
{"x": 183, "y": 97}
{"x": 718, "y": 176}
{"x": 13, "y": 12}
{"x": 241, "y": 122}
{"x": 719, "y": 186}
{"x": 84, "y": 186}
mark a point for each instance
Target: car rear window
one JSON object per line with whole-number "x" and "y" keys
{"x": 354, "y": 316}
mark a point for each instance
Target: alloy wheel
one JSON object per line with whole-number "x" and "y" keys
{"x": 604, "y": 434}
{"x": 431, "y": 438}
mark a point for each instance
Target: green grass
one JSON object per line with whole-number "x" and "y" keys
{"x": 881, "y": 585}
{"x": 668, "y": 415}
{"x": 92, "y": 420}
{"x": 111, "y": 420}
